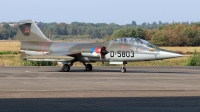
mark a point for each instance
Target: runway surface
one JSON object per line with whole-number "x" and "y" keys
{"x": 104, "y": 89}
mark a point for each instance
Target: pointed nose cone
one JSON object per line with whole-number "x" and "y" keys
{"x": 168, "y": 54}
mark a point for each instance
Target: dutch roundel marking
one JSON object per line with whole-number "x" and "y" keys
{"x": 94, "y": 51}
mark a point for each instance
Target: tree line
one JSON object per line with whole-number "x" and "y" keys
{"x": 7, "y": 32}
{"x": 57, "y": 30}
{"x": 162, "y": 34}
{"x": 175, "y": 34}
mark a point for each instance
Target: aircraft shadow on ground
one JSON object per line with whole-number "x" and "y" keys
{"x": 116, "y": 104}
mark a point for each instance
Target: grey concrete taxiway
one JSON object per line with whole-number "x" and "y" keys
{"x": 103, "y": 89}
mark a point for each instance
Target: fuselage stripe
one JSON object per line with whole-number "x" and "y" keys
{"x": 44, "y": 46}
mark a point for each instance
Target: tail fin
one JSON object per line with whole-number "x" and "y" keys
{"x": 29, "y": 31}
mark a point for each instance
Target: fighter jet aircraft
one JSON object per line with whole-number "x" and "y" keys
{"x": 36, "y": 46}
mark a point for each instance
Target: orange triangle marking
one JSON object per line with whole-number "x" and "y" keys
{"x": 26, "y": 30}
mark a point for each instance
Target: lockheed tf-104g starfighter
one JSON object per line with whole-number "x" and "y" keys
{"x": 36, "y": 47}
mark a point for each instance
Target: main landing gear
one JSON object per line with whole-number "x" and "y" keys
{"x": 66, "y": 67}
{"x": 88, "y": 67}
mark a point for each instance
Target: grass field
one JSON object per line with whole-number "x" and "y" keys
{"x": 9, "y": 46}
{"x": 182, "y": 49}
{"x": 14, "y": 60}
{"x": 10, "y": 60}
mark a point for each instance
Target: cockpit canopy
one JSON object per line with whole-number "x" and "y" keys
{"x": 135, "y": 41}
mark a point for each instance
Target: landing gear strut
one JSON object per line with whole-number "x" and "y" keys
{"x": 123, "y": 68}
{"x": 88, "y": 67}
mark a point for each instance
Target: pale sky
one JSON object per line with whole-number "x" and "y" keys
{"x": 100, "y": 11}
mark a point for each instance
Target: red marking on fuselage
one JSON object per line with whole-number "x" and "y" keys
{"x": 122, "y": 47}
{"x": 140, "y": 50}
{"x": 55, "y": 45}
{"x": 44, "y": 46}
{"x": 66, "y": 45}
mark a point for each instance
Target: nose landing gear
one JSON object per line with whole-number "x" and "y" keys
{"x": 123, "y": 68}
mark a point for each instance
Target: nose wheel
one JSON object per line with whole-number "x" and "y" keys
{"x": 123, "y": 68}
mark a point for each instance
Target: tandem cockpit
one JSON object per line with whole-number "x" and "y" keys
{"x": 136, "y": 41}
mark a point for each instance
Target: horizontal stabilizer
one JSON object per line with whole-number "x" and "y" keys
{"x": 26, "y": 21}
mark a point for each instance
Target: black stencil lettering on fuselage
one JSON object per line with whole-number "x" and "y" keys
{"x": 112, "y": 53}
{"x": 119, "y": 53}
{"x": 122, "y": 53}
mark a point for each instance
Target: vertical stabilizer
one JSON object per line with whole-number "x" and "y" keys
{"x": 29, "y": 31}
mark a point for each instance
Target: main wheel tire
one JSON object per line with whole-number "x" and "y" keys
{"x": 66, "y": 68}
{"x": 123, "y": 69}
{"x": 88, "y": 67}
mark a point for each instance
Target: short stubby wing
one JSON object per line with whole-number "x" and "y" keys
{"x": 52, "y": 56}
{"x": 49, "y": 58}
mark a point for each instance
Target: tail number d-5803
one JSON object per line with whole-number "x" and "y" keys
{"x": 122, "y": 53}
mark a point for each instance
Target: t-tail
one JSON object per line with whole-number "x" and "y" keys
{"x": 33, "y": 41}
{"x": 29, "y": 31}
